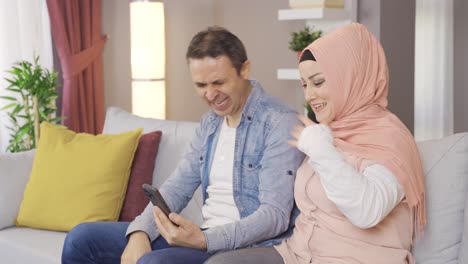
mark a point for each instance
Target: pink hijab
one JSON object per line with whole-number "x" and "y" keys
{"x": 354, "y": 65}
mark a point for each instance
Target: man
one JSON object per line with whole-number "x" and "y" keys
{"x": 239, "y": 156}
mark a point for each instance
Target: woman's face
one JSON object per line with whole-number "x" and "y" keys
{"x": 315, "y": 91}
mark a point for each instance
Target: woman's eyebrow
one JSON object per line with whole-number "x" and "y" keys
{"x": 312, "y": 76}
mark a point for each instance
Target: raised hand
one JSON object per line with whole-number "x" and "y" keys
{"x": 297, "y": 130}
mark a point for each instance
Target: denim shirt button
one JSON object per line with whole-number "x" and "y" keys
{"x": 249, "y": 118}
{"x": 290, "y": 172}
{"x": 250, "y": 165}
{"x": 201, "y": 158}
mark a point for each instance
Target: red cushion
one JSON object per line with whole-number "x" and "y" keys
{"x": 142, "y": 172}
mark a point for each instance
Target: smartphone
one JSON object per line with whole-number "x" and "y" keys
{"x": 156, "y": 198}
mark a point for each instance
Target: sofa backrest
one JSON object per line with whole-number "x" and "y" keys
{"x": 445, "y": 164}
{"x": 175, "y": 140}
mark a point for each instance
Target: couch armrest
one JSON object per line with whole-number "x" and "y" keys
{"x": 15, "y": 169}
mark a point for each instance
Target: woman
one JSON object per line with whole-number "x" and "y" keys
{"x": 361, "y": 188}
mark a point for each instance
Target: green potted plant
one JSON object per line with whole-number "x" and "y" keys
{"x": 34, "y": 103}
{"x": 301, "y": 39}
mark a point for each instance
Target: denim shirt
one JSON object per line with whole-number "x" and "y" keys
{"x": 263, "y": 176}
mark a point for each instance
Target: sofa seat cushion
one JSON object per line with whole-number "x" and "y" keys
{"x": 26, "y": 245}
{"x": 446, "y": 179}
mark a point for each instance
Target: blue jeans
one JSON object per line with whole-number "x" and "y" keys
{"x": 104, "y": 242}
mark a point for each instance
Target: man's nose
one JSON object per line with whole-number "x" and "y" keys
{"x": 211, "y": 93}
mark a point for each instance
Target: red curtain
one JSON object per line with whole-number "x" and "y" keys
{"x": 76, "y": 31}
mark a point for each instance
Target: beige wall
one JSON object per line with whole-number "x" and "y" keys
{"x": 266, "y": 40}
{"x": 184, "y": 18}
{"x": 117, "y": 72}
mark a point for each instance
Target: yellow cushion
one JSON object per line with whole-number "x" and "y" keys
{"x": 77, "y": 178}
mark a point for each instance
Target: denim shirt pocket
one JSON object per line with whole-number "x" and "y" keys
{"x": 251, "y": 166}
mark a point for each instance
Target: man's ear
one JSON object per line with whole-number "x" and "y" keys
{"x": 245, "y": 70}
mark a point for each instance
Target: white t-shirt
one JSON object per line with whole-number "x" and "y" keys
{"x": 219, "y": 207}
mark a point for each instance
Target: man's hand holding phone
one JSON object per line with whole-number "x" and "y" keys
{"x": 156, "y": 198}
{"x": 177, "y": 230}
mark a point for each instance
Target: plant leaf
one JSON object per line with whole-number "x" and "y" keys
{"x": 8, "y": 106}
{"x": 8, "y": 98}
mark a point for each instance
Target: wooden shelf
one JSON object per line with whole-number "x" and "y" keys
{"x": 314, "y": 13}
{"x": 288, "y": 74}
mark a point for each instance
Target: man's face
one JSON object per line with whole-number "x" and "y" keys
{"x": 218, "y": 83}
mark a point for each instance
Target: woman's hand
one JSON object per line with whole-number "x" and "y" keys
{"x": 179, "y": 231}
{"x": 297, "y": 130}
{"x": 311, "y": 138}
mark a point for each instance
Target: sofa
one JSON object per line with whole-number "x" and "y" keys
{"x": 445, "y": 163}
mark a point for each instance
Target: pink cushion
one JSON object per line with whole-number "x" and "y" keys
{"x": 142, "y": 172}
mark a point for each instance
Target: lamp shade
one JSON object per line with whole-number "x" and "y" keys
{"x": 148, "y": 99}
{"x": 148, "y": 59}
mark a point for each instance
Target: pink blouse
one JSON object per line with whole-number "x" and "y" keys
{"x": 324, "y": 235}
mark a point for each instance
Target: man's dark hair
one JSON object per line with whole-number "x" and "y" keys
{"x": 217, "y": 41}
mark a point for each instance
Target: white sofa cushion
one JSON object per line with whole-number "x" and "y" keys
{"x": 26, "y": 245}
{"x": 14, "y": 174}
{"x": 446, "y": 170}
{"x": 175, "y": 140}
